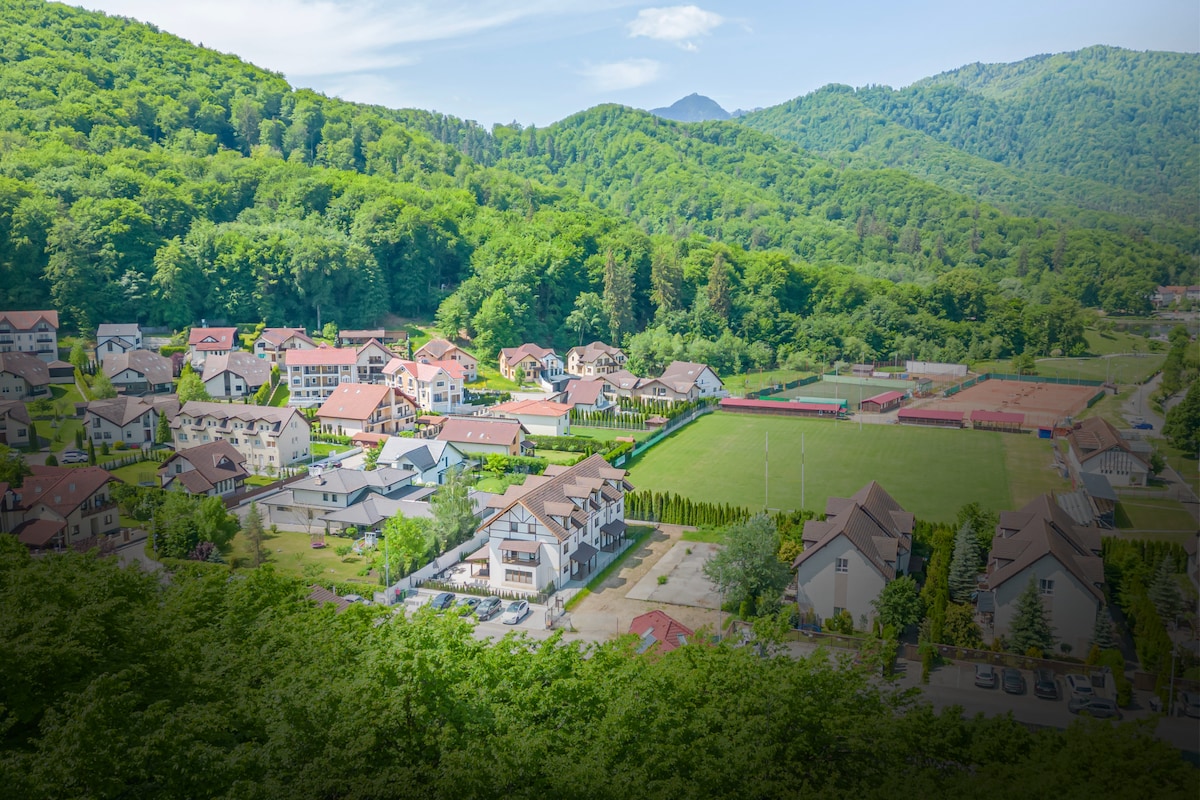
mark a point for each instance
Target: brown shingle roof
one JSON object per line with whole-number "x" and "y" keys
{"x": 1042, "y": 528}
{"x": 26, "y": 320}
{"x": 253, "y": 370}
{"x": 124, "y": 410}
{"x": 277, "y": 336}
{"x": 35, "y": 371}
{"x": 211, "y": 463}
{"x": 871, "y": 519}
{"x": 514, "y": 354}
{"x": 155, "y": 368}
{"x": 1095, "y": 435}
{"x": 354, "y": 401}
{"x": 62, "y": 489}
{"x": 476, "y": 430}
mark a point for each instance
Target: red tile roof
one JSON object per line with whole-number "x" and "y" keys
{"x": 667, "y": 631}
{"x": 62, "y": 489}
{"x": 931, "y": 414}
{"x": 424, "y": 370}
{"x": 354, "y": 401}
{"x": 26, "y": 320}
{"x": 222, "y": 338}
{"x": 321, "y": 356}
{"x": 782, "y": 407}
{"x": 884, "y": 398}
{"x": 477, "y": 430}
{"x": 533, "y": 408}
{"x": 983, "y": 415}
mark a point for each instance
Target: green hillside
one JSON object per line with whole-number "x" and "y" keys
{"x": 1102, "y": 128}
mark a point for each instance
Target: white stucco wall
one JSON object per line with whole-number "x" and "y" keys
{"x": 817, "y": 580}
{"x": 1072, "y": 607}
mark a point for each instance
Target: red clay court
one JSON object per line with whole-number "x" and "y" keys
{"x": 1043, "y": 404}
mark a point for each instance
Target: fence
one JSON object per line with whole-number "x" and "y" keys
{"x": 999, "y": 376}
{"x": 666, "y": 430}
{"x": 883, "y": 383}
{"x": 783, "y": 387}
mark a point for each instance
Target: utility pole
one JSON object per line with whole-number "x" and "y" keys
{"x": 801, "y": 469}
{"x": 766, "y": 468}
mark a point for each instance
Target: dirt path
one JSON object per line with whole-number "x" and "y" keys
{"x": 608, "y": 611}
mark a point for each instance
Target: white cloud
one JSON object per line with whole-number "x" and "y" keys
{"x": 627, "y": 74}
{"x": 323, "y": 37}
{"x": 678, "y": 24}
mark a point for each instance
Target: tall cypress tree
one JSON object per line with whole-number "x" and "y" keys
{"x": 964, "y": 566}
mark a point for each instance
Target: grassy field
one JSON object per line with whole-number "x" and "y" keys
{"x": 141, "y": 472}
{"x": 558, "y": 456}
{"x": 279, "y": 398}
{"x": 608, "y": 434}
{"x": 931, "y": 472}
{"x": 325, "y": 449}
{"x": 290, "y": 552}
{"x": 1155, "y": 514}
{"x": 490, "y": 378}
{"x": 753, "y": 381}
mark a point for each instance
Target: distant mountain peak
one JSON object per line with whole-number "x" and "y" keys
{"x": 693, "y": 108}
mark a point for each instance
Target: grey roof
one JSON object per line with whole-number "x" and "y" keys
{"x": 1077, "y": 505}
{"x": 344, "y": 481}
{"x": 1043, "y": 528}
{"x": 1097, "y": 486}
{"x": 154, "y": 368}
{"x": 119, "y": 329}
{"x": 422, "y": 453}
{"x": 583, "y": 553}
{"x": 124, "y": 410}
{"x": 35, "y": 371}
{"x": 253, "y": 370}
{"x": 985, "y": 603}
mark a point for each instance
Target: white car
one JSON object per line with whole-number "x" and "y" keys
{"x": 1080, "y": 686}
{"x": 72, "y": 457}
{"x": 517, "y": 610}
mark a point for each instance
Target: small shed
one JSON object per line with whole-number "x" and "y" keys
{"x": 882, "y": 402}
{"x": 1007, "y": 421}
{"x": 935, "y": 417}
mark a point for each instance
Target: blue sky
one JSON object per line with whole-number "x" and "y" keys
{"x": 537, "y": 61}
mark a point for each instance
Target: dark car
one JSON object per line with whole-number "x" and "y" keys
{"x": 1098, "y": 707}
{"x": 1044, "y": 684}
{"x": 442, "y": 601}
{"x": 488, "y": 608}
{"x": 466, "y": 605}
{"x": 1144, "y": 426}
{"x": 1013, "y": 681}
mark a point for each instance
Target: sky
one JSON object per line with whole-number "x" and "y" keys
{"x": 538, "y": 61}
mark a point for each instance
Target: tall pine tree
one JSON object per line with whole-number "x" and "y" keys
{"x": 964, "y": 566}
{"x": 1030, "y": 629}
{"x": 1103, "y": 635}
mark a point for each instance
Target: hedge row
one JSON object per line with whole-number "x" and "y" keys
{"x": 672, "y": 509}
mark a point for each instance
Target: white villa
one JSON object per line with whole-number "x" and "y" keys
{"x": 551, "y": 528}
{"x": 268, "y": 437}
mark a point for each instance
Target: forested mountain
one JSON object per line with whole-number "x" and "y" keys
{"x": 141, "y": 176}
{"x": 693, "y": 108}
{"x": 1101, "y": 128}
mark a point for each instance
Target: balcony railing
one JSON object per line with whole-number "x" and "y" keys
{"x": 522, "y": 560}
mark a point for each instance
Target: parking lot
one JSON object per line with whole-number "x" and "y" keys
{"x": 534, "y": 622}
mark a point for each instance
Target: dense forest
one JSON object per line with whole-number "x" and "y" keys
{"x": 113, "y": 684}
{"x": 141, "y": 176}
{"x": 1101, "y": 128}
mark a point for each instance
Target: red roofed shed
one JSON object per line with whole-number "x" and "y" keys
{"x": 997, "y": 420}
{"x": 931, "y": 416}
{"x": 880, "y": 403}
{"x": 658, "y": 626}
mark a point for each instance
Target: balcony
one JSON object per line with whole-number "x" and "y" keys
{"x": 521, "y": 559}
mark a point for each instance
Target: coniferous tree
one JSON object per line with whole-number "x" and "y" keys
{"x": 1164, "y": 591}
{"x": 1103, "y": 635}
{"x": 253, "y": 528}
{"x": 1030, "y": 629}
{"x": 964, "y": 566}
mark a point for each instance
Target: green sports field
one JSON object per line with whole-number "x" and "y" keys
{"x": 931, "y": 472}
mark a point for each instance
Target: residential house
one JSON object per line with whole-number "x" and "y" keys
{"x": 863, "y": 543}
{"x": 272, "y": 343}
{"x": 684, "y": 375}
{"x": 436, "y": 386}
{"x": 1043, "y": 544}
{"x": 445, "y": 350}
{"x": 132, "y": 420}
{"x": 114, "y": 339}
{"x": 669, "y": 390}
{"x": 533, "y": 363}
{"x": 58, "y": 507}
{"x": 312, "y": 375}
{"x": 335, "y": 499}
{"x": 1095, "y": 446}
{"x": 550, "y": 529}
{"x": 366, "y": 408}
{"x": 371, "y": 358}
{"x": 352, "y": 338}
{"x": 139, "y": 372}
{"x": 660, "y": 628}
{"x": 484, "y": 435}
{"x": 540, "y": 417}
{"x": 585, "y": 395}
{"x": 205, "y": 342}
{"x": 268, "y": 437}
{"x": 32, "y": 332}
{"x": 215, "y": 469}
{"x": 23, "y": 375}
{"x": 621, "y": 383}
{"x": 428, "y": 459}
{"x": 15, "y": 424}
{"x": 594, "y": 359}
{"x": 235, "y": 374}
{"x": 1165, "y": 296}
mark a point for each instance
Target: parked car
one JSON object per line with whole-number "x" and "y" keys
{"x": 488, "y": 607}
{"x": 1098, "y": 707}
{"x": 335, "y": 464}
{"x": 1189, "y": 703}
{"x": 1143, "y": 426}
{"x": 441, "y": 601}
{"x": 985, "y": 676}
{"x": 1013, "y": 681}
{"x": 517, "y": 610}
{"x": 1080, "y": 686}
{"x": 72, "y": 457}
{"x": 1044, "y": 684}
{"x": 466, "y": 605}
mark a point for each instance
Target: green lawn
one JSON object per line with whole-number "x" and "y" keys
{"x": 1118, "y": 369}
{"x": 495, "y": 485}
{"x": 490, "y": 378}
{"x": 1186, "y": 465}
{"x": 67, "y": 391}
{"x": 608, "y": 434}
{"x": 1154, "y": 514}
{"x": 290, "y": 552}
{"x": 558, "y": 456}
{"x": 931, "y": 472}
{"x": 260, "y": 480}
{"x": 279, "y": 398}
{"x": 325, "y": 449}
{"x": 61, "y": 437}
{"x": 745, "y": 382}
{"x": 141, "y": 472}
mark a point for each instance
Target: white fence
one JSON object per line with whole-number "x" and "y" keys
{"x": 936, "y": 368}
{"x": 448, "y": 559}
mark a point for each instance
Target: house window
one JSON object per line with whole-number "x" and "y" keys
{"x": 843, "y": 565}
{"x": 837, "y": 610}
{"x": 512, "y": 526}
{"x": 1045, "y": 587}
{"x": 517, "y": 576}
